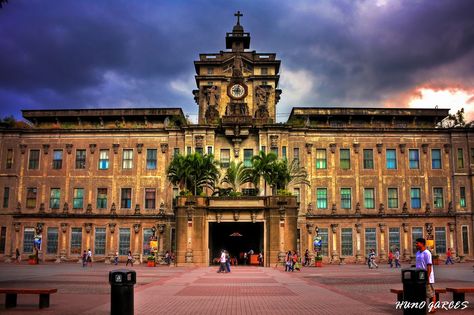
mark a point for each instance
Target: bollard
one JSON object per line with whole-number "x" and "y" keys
{"x": 121, "y": 291}
{"x": 414, "y": 291}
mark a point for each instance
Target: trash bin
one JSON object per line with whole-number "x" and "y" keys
{"x": 414, "y": 290}
{"x": 121, "y": 291}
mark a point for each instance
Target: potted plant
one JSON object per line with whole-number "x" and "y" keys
{"x": 318, "y": 261}
{"x": 435, "y": 259}
{"x": 32, "y": 259}
{"x": 151, "y": 261}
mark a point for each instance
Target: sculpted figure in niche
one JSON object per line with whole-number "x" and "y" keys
{"x": 262, "y": 96}
{"x": 212, "y": 96}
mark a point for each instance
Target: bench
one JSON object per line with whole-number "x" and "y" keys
{"x": 399, "y": 293}
{"x": 12, "y": 293}
{"x": 459, "y": 294}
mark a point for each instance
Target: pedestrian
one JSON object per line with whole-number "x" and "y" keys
{"x": 397, "y": 258}
{"x": 294, "y": 260}
{"x": 167, "y": 258}
{"x": 227, "y": 261}
{"x": 288, "y": 259}
{"x": 84, "y": 258}
{"x": 245, "y": 258}
{"x": 306, "y": 258}
{"x": 390, "y": 258}
{"x": 371, "y": 259}
{"x": 116, "y": 257}
{"x": 424, "y": 261}
{"x": 222, "y": 262}
{"x": 89, "y": 257}
{"x": 260, "y": 259}
{"x": 17, "y": 256}
{"x": 129, "y": 259}
{"x": 449, "y": 255}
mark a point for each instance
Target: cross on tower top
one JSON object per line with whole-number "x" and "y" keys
{"x": 238, "y": 15}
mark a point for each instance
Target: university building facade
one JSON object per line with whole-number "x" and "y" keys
{"x": 96, "y": 178}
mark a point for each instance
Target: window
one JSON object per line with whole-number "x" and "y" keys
{"x": 460, "y": 159}
{"x": 345, "y": 198}
{"x": 248, "y": 154}
{"x": 322, "y": 198}
{"x": 416, "y": 232}
{"x": 104, "y": 159}
{"x": 346, "y": 242}
{"x": 283, "y": 152}
{"x": 415, "y": 196}
{"x": 54, "y": 198}
{"x": 3, "y": 239}
{"x": 370, "y": 240}
{"x": 393, "y": 238}
{"x": 465, "y": 240}
{"x": 296, "y": 154}
{"x": 391, "y": 155}
{"x": 127, "y": 159}
{"x": 393, "y": 197}
{"x": 78, "y": 198}
{"x": 440, "y": 240}
{"x": 324, "y": 241}
{"x": 345, "y": 159}
{"x": 274, "y": 151}
{"x": 99, "y": 241}
{"x": 9, "y": 163}
{"x": 101, "y": 198}
{"x": 31, "y": 193}
{"x": 296, "y": 192}
{"x": 368, "y": 159}
{"x": 321, "y": 161}
{"x": 124, "y": 241}
{"x": 209, "y": 150}
{"x": 151, "y": 155}
{"x": 57, "y": 159}
{"x": 28, "y": 240}
{"x": 225, "y": 158}
{"x": 369, "y": 198}
{"x": 472, "y": 155}
{"x": 126, "y": 198}
{"x": 52, "y": 238}
{"x": 33, "y": 163}
{"x": 76, "y": 241}
{"x": 436, "y": 159}
{"x": 199, "y": 150}
{"x": 175, "y": 151}
{"x": 414, "y": 156}
{"x": 188, "y": 150}
{"x": 249, "y": 192}
{"x": 438, "y": 197}
{"x": 80, "y": 159}
{"x": 264, "y": 149}
{"x": 6, "y": 196}
{"x": 147, "y": 237}
{"x": 150, "y": 198}
{"x": 462, "y": 196}
{"x": 264, "y": 71}
{"x": 210, "y": 70}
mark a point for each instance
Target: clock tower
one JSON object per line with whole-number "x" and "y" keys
{"x": 237, "y": 85}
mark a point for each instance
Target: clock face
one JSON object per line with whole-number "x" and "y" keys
{"x": 237, "y": 91}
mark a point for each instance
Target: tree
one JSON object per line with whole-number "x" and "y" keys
{"x": 287, "y": 174}
{"x": 193, "y": 172}
{"x": 236, "y": 175}
{"x": 453, "y": 121}
{"x": 262, "y": 166}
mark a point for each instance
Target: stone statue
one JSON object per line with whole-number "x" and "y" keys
{"x": 212, "y": 96}
{"x": 262, "y": 96}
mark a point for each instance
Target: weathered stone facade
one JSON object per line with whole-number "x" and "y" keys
{"x": 97, "y": 178}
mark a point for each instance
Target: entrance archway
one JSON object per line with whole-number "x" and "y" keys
{"x": 236, "y": 238}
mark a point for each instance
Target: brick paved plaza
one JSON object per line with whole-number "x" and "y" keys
{"x": 333, "y": 289}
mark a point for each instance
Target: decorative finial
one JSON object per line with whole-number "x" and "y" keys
{"x": 238, "y": 15}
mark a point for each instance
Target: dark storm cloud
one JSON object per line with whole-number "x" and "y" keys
{"x": 139, "y": 53}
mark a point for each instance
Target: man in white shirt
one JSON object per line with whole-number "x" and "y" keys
{"x": 424, "y": 261}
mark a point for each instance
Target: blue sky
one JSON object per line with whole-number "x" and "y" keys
{"x": 89, "y": 54}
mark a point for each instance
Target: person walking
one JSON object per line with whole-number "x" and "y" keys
{"x": 245, "y": 258}
{"x": 306, "y": 258}
{"x": 397, "y": 258}
{"x": 390, "y": 258}
{"x": 372, "y": 262}
{"x": 424, "y": 261}
{"x": 260, "y": 259}
{"x": 17, "y": 256}
{"x": 222, "y": 262}
{"x": 129, "y": 259}
{"x": 116, "y": 257}
{"x": 84, "y": 259}
{"x": 227, "y": 261}
{"x": 449, "y": 256}
{"x": 89, "y": 257}
{"x": 288, "y": 261}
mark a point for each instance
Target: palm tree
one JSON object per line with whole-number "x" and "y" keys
{"x": 289, "y": 174}
{"x": 193, "y": 172}
{"x": 262, "y": 166}
{"x": 236, "y": 175}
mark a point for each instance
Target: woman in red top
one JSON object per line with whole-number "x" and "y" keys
{"x": 448, "y": 257}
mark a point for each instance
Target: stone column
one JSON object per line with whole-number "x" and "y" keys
{"x": 452, "y": 226}
{"x": 88, "y": 229}
{"x": 111, "y": 248}
{"x": 309, "y": 228}
{"x": 189, "y": 235}
{"x": 382, "y": 241}
{"x": 161, "y": 253}
{"x": 406, "y": 247}
{"x": 335, "y": 254}
{"x": 63, "y": 243}
{"x": 358, "y": 227}
{"x": 136, "y": 239}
